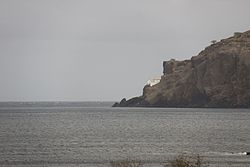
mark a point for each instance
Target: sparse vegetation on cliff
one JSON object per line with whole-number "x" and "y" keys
{"x": 180, "y": 161}
{"x": 126, "y": 163}
{"x": 187, "y": 161}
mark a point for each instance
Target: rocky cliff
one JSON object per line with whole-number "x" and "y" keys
{"x": 219, "y": 76}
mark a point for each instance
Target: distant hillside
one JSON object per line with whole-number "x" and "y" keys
{"x": 218, "y": 76}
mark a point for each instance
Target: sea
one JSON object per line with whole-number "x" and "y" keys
{"x": 93, "y": 134}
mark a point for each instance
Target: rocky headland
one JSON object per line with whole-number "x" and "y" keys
{"x": 218, "y": 77}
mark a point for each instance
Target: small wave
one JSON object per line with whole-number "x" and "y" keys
{"x": 229, "y": 153}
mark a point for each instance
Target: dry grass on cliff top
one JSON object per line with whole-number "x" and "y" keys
{"x": 126, "y": 163}
{"x": 187, "y": 161}
{"x": 180, "y": 161}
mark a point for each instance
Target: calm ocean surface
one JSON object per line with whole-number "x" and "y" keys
{"x": 93, "y": 134}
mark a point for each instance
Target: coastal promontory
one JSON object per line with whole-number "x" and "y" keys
{"x": 218, "y": 77}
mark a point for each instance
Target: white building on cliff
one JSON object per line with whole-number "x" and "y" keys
{"x": 154, "y": 81}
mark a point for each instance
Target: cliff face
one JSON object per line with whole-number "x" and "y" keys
{"x": 218, "y": 76}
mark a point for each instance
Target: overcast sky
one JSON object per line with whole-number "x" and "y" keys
{"x": 87, "y": 50}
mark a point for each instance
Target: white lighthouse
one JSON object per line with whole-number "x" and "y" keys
{"x": 154, "y": 81}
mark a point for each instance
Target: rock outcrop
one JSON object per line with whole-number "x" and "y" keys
{"x": 219, "y": 76}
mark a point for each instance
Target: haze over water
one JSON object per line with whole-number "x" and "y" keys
{"x": 93, "y": 134}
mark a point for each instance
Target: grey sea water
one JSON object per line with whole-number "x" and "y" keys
{"x": 93, "y": 134}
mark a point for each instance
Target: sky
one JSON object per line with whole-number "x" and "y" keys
{"x": 103, "y": 50}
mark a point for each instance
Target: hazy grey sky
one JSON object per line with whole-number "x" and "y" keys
{"x": 103, "y": 49}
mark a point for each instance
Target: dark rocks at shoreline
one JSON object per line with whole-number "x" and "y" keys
{"x": 219, "y": 77}
{"x": 136, "y": 101}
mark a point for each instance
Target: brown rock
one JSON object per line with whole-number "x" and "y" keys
{"x": 218, "y": 76}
